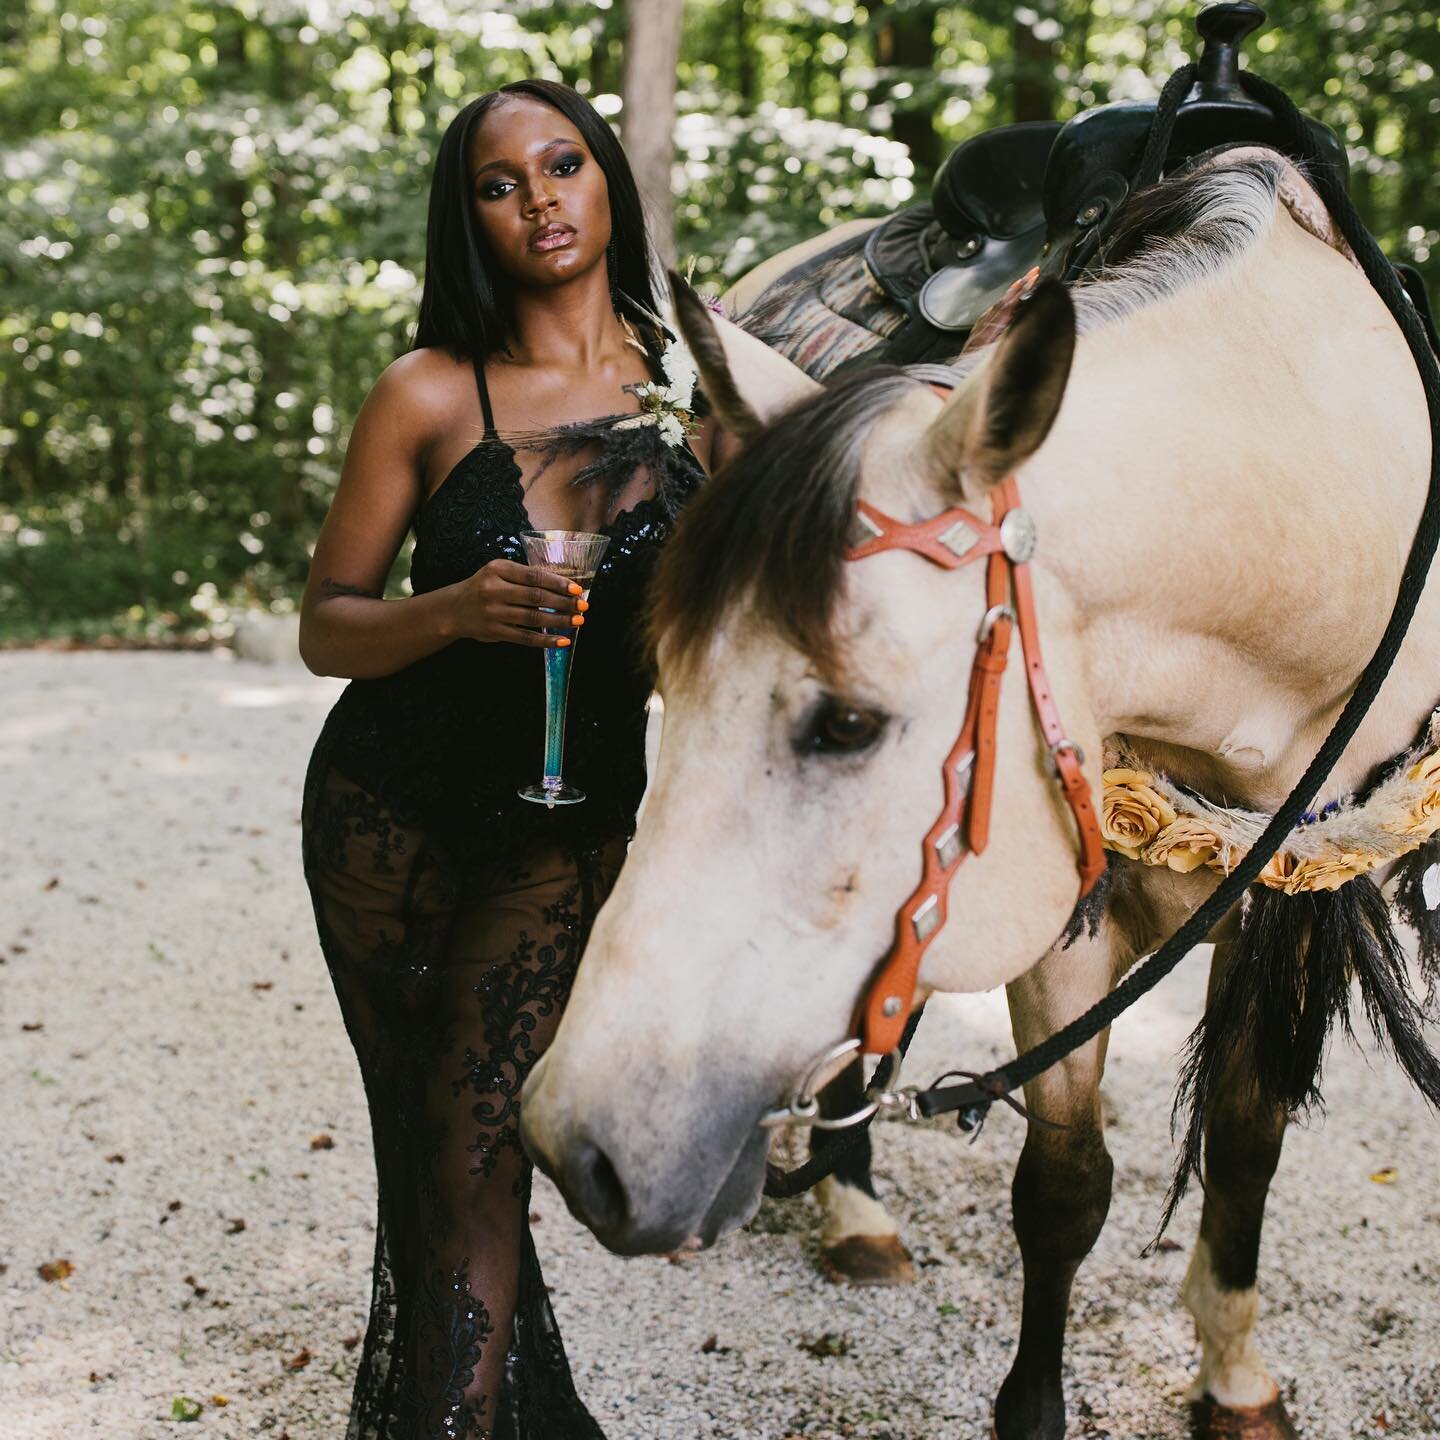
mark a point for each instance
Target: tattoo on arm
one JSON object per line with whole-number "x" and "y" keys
{"x": 331, "y": 588}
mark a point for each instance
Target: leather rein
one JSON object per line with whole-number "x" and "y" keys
{"x": 954, "y": 539}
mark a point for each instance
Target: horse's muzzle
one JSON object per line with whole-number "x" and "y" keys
{"x": 641, "y": 1204}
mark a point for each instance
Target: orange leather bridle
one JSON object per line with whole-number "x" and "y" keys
{"x": 953, "y": 539}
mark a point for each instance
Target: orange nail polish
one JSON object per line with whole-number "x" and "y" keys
{"x": 583, "y": 606}
{"x": 561, "y": 643}
{"x": 577, "y": 619}
{"x": 576, "y": 589}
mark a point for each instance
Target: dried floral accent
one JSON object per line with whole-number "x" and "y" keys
{"x": 1143, "y": 816}
{"x": 1184, "y": 845}
{"x": 1132, "y": 811}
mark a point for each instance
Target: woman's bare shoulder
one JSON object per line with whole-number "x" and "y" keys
{"x": 423, "y": 380}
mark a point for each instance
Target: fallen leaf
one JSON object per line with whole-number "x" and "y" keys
{"x": 235, "y": 1227}
{"x": 350, "y": 1341}
{"x": 321, "y": 1142}
{"x": 51, "y": 883}
{"x": 826, "y": 1345}
{"x": 536, "y": 1217}
{"x": 173, "y": 1206}
{"x": 299, "y": 1360}
{"x": 182, "y": 1407}
{"x": 56, "y": 1270}
{"x": 263, "y": 985}
{"x": 711, "y": 1346}
{"x": 201, "y": 1291}
{"x": 1167, "y": 1244}
{"x": 1388, "y": 1176}
{"x": 221, "y": 1400}
{"x": 116, "y": 1159}
{"x": 32, "y": 1025}
{"x": 1381, "y": 1419}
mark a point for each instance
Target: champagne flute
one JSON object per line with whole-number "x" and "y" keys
{"x": 576, "y": 555}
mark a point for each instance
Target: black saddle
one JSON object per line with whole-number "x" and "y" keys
{"x": 948, "y": 260}
{"x": 1042, "y": 194}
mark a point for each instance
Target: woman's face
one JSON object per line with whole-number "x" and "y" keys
{"x": 540, "y": 197}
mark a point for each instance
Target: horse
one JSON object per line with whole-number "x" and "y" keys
{"x": 1223, "y": 444}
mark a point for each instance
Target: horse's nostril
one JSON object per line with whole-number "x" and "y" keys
{"x": 596, "y": 1188}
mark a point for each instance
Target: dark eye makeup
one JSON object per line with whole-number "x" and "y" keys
{"x": 564, "y": 166}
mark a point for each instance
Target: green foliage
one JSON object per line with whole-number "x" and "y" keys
{"x": 214, "y": 221}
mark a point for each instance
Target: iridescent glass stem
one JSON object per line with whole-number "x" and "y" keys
{"x": 575, "y": 555}
{"x": 557, "y": 693}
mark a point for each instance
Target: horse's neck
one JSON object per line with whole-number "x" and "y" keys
{"x": 1232, "y": 488}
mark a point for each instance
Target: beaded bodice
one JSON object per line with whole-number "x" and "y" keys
{"x": 446, "y": 741}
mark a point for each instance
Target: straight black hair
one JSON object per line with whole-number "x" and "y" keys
{"x": 466, "y": 304}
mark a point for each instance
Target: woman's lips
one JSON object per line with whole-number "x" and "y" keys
{"x": 554, "y": 237}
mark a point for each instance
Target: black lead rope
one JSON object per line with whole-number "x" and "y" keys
{"x": 973, "y": 1098}
{"x": 787, "y": 1184}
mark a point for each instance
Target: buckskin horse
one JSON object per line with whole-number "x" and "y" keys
{"x": 1218, "y": 448}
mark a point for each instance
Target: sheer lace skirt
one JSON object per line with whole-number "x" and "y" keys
{"x": 451, "y": 984}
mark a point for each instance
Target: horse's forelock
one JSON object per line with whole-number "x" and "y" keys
{"x": 769, "y": 530}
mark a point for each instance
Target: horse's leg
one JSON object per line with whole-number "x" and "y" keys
{"x": 1233, "y": 1395}
{"x": 859, "y": 1242}
{"x": 1061, "y": 1191}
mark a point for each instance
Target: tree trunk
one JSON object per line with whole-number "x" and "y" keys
{"x": 233, "y": 191}
{"x": 905, "y": 46}
{"x": 647, "y": 90}
{"x": 1033, "y": 90}
{"x": 744, "y": 56}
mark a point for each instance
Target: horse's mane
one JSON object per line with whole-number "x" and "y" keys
{"x": 770, "y": 528}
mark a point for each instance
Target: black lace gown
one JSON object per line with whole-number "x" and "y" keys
{"x": 452, "y": 915}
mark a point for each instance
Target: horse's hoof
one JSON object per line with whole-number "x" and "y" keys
{"x": 868, "y": 1260}
{"x": 1210, "y": 1420}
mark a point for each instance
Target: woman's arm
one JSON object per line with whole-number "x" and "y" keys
{"x": 346, "y": 629}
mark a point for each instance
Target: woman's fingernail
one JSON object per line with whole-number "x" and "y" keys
{"x": 583, "y": 606}
{"x": 576, "y": 589}
{"x": 577, "y": 619}
{"x": 562, "y": 642}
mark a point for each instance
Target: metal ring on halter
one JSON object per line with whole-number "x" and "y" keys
{"x": 803, "y": 1108}
{"x": 1055, "y": 750}
{"x": 991, "y": 618}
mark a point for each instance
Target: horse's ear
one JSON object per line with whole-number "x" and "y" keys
{"x": 746, "y": 382}
{"x": 1000, "y": 416}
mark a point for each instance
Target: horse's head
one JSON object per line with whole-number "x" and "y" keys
{"x": 809, "y": 705}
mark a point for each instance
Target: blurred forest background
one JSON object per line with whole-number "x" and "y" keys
{"x": 214, "y": 221}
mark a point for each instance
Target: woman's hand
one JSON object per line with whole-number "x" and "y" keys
{"x": 503, "y": 601}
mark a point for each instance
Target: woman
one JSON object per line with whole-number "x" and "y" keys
{"x": 451, "y": 913}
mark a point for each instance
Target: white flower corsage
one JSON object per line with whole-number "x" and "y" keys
{"x": 667, "y": 406}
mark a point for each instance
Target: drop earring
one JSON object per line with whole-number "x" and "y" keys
{"x": 610, "y": 271}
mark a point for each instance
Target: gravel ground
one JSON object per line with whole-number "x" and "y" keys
{"x": 173, "y": 1059}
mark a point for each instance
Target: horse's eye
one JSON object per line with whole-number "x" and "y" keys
{"x": 836, "y": 728}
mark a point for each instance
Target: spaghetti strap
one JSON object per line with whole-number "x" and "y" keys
{"x": 490, "y": 432}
